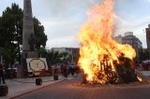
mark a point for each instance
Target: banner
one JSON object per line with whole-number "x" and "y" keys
{"x": 36, "y": 64}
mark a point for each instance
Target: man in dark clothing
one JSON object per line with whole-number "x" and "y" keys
{"x": 2, "y": 74}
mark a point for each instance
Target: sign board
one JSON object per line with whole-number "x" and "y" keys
{"x": 36, "y": 64}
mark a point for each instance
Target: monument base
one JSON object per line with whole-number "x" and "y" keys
{"x": 32, "y": 54}
{"x": 26, "y": 54}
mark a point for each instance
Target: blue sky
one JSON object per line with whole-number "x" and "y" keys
{"x": 62, "y": 19}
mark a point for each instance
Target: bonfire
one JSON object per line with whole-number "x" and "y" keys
{"x": 102, "y": 59}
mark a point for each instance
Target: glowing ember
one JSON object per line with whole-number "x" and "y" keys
{"x": 98, "y": 50}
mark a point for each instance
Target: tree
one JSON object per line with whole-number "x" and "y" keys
{"x": 53, "y": 57}
{"x": 40, "y": 36}
{"x": 65, "y": 56}
{"x": 11, "y": 23}
{"x": 11, "y": 33}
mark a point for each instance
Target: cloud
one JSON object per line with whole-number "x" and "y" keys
{"x": 66, "y": 23}
{"x": 62, "y": 19}
{"x": 61, "y": 33}
{"x": 132, "y": 24}
{"x": 66, "y": 41}
{"x": 63, "y": 8}
{"x": 137, "y": 26}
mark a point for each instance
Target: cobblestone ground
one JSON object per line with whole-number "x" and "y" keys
{"x": 72, "y": 89}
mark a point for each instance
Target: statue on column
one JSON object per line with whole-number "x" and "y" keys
{"x": 31, "y": 42}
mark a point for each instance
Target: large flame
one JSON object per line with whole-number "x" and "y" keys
{"x": 96, "y": 41}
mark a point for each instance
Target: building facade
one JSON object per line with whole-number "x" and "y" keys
{"x": 73, "y": 52}
{"x": 148, "y": 38}
{"x": 132, "y": 40}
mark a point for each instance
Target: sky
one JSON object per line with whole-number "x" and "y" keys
{"x": 63, "y": 19}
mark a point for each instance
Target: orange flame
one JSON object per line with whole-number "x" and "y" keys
{"x": 96, "y": 41}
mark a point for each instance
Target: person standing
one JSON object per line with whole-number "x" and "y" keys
{"x": 2, "y": 78}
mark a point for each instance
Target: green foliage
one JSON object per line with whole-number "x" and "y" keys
{"x": 11, "y": 28}
{"x": 42, "y": 52}
{"x": 11, "y": 32}
{"x": 53, "y": 57}
{"x": 65, "y": 55}
{"x": 40, "y": 36}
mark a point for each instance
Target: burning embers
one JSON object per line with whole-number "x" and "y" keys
{"x": 101, "y": 58}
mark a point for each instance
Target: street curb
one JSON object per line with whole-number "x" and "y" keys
{"x": 32, "y": 90}
{"x": 141, "y": 76}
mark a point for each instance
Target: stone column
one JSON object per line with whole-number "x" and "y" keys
{"x": 28, "y": 35}
{"x": 28, "y": 30}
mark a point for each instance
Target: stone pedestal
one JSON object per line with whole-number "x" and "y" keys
{"x": 31, "y": 54}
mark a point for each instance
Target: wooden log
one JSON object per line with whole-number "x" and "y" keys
{"x": 84, "y": 80}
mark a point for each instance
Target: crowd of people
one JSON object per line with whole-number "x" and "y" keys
{"x": 57, "y": 69}
{"x": 65, "y": 70}
{"x": 146, "y": 65}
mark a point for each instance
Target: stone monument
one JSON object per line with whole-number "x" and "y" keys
{"x": 28, "y": 31}
{"x": 29, "y": 50}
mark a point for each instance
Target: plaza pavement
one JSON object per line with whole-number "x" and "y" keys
{"x": 18, "y": 87}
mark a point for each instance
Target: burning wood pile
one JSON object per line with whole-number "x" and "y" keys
{"x": 102, "y": 59}
{"x": 123, "y": 73}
